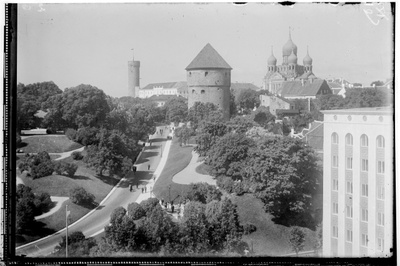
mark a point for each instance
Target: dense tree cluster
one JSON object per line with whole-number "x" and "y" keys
{"x": 212, "y": 226}
{"x": 78, "y": 245}
{"x": 247, "y": 100}
{"x": 29, "y": 205}
{"x": 80, "y": 196}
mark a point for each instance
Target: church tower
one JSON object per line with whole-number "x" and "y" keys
{"x": 209, "y": 80}
{"x": 133, "y": 77}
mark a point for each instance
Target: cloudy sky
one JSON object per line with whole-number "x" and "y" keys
{"x": 72, "y": 44}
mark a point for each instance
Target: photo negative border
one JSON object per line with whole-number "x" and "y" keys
{"x": 9, "y": 191}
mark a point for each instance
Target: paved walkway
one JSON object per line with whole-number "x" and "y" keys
{"x": 189, "y": 174}
{"x": 59, "y": 201}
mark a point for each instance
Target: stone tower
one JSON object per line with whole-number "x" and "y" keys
{"x": 133, "y": 78}
{"x": 209, "y": 80}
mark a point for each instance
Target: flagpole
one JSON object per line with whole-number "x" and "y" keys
{"x": 66, "y": 238}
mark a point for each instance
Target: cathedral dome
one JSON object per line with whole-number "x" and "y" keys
{"x": 272, "y": 60}
{"x": 307, "y": 61}
{"x": 289, "y": 47}
{"x": 292, "y": 59}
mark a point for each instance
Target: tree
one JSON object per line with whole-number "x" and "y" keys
{"x": 25, "y": 208}
{"x": 318, "y": 242}
{"x": 176, "y": 110}
{"x": 77, "y": 107}
{"x": 184, "y": 133}
{"x": 80, "y": 196}
{"x": 78, "y": 245}
{"x": 367, "y": 97}
{"x": 247, "y": 100}
{"x": 262, "y": 116}
{"x": 377, "y": 83}
{"x": 29, "y": 100}
{"x": 296, "y": 239}
{"x": 63, "y": 168}
{"x": 232, "y": 105}
{"x": 330, "y": 102}
{"x": 286, "y": 172}
{"x": 228, "y": 154}
{"x": 149, "y": 204}
{"x": 202, "y": 192}
{"x": 241, "y": 124}
{"x": 208, "y": 133}
{"x": 199, "y": 112}
{"x": 136, "y": 211}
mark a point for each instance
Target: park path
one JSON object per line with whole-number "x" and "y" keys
{"x": 189, "y": 174}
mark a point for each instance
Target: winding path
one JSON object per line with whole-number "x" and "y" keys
{"x": 189, "y": 174}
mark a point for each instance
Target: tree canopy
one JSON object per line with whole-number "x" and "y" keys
{"x": 247, "y": 100}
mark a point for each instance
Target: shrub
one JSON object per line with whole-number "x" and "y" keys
{"x": 81, "y": 197}
{"x": 149, "y": 204}
{"x": 76, "y": 155}
{"x": 70, "y": 169}
{"x": 135, "y": 211}
{"x": 249, "y": 228}
{"x": 43, "y": 203}
{"x": 71, "y": 134}
{"x": 226, "y": 183}
{"x": 63, "y": 168}
{"x": 87, "y": 136}
{"x": 238, "y": 188}
{"x": 42, "y": 169}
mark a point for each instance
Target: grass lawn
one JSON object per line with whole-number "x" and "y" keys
{"x": 178, "y": 159}
{"x": 203, "y": 169}
{"x": 49, "y": 143}
{"x": 57, "y": 185}
{"x": 269, "y": 239}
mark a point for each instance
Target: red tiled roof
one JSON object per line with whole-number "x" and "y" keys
{"x": 208, "y": 58}
{"x": 295, "y": 88}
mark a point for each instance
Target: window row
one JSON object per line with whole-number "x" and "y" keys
{"x": 364, "y": 238}
{"x": 380, "y": 140}
{"x": 380, "y": 169}
{"x": 364, "y": 189}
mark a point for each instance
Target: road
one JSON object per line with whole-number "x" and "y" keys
{"x": 95, "y": 221}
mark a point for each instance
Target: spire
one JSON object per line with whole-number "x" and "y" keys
{"x": 272, "y": 60}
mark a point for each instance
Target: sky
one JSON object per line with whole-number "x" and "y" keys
{"x": 72, "y": 44}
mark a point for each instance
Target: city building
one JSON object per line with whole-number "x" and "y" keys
{"x": 289, "y": 70}
{"x": 304, "y": 89}
{"x": 209, "y": 80}
{"x": 358, "y": 182}
{"x": 133, "y": 77}
{"x": 275, "y": 103}
{"x": 164, "y": 88}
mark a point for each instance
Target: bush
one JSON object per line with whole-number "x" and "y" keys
{"x": 81, "y": 197}
{"x": 87, "y": 136}
{"x": 135, "y": 211}
{"x": 63, "y": 168}
{"x": 249, "y": 228}
{"x": 42, "y": 169}
{"x": 226, "y": 183}
{"x": 238, "y": 188}
{"x": 149, "y": 204}
{"x": 43, "y": 203}
{"x": 76, "y": 155}
{"x": 71, "y": 134}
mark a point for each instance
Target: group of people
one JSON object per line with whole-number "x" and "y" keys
{"x": 171, "y": 207}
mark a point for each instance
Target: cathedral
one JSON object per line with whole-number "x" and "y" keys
{"x": 289, "y": 70}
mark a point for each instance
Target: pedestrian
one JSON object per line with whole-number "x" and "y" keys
{"x": 148, "y": 167}
{"x": 130, "y": 188}
{"x": 162, "y": 201}
{"x": 145, "y": 189}
{"x": 142, "y": 190}
{"x": 154, "y": 178}
{"x": 172, "y": 208}
{"x": 137, "y": 185}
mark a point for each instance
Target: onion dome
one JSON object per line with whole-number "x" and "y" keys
{"x": 292, "y": 59}
{"x": 272, "y": 60}
{"x": 289, "y": 47}
{"x": 307, "y": 61}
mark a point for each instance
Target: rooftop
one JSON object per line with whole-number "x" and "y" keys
{"x": 367, "y": 110}
{"x": 296, "y": 88}
{"x": 165, "y": 85}
{"x": 208, "y": 58}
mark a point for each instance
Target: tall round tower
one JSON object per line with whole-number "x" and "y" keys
{"x": 133, "y": 78}
{"x": 209, "y": 80}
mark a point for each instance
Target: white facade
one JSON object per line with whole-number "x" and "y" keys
{"x": 358, "y": 182}
{"x": 146, "y": 93}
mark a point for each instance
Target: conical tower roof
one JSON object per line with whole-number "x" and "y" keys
{"x": 208, "y": 58}
{"x": 307, "y": 61}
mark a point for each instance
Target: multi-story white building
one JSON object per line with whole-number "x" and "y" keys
{"x": 358, "y": 182}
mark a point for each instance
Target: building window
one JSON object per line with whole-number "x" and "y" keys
{"x": 380, "y": 244}
{"x": 349, "y": 163}
{"x": 203, "y": 91}
{"x": 380, "y": 142}
{"x": 349, "y": 211}
{"x": 364, "y": 240}
{"x": 381, "y": 192}
{"x": 349, "y": 187}
{"x": 335, "y": 208}
{"x": 334, "y": 161}
{"x": 364, "y": 165}
{"x": 349, "y": 235}
{"x": 335, "y": 184}
{"x": 335, "y": 138}
{"x": 381, "y": 167}
{"x": 364, "y": 215}
{"x": 349, "y": 140}
{"x": 335, "y": 231}
{"x": 381, "y": 218}
{"x": 364, "y": 141}
{"x": 364, "y": 190}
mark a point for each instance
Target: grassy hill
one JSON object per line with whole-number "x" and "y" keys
{"x": 49, "y": 143}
